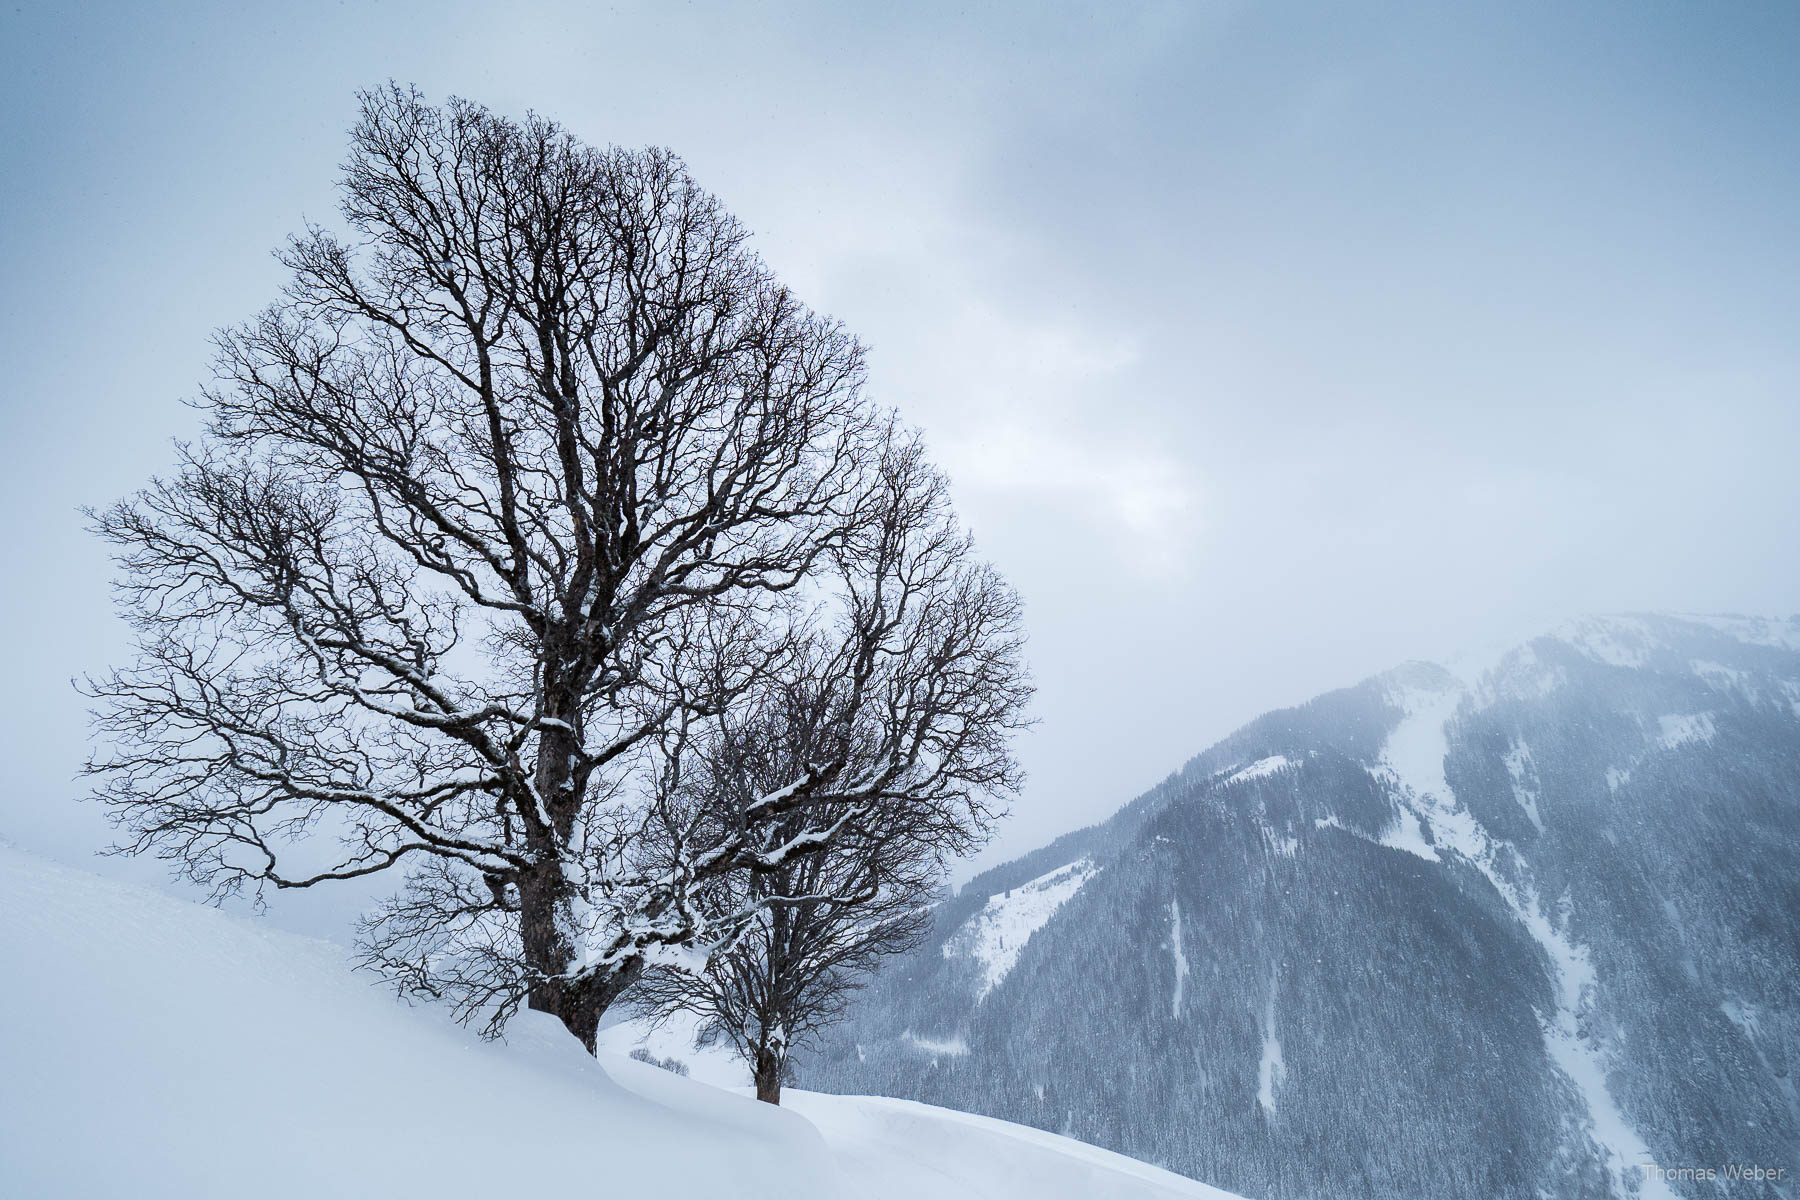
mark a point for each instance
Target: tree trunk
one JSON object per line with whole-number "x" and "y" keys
{"x": 574, "y": 1007}
{"x": 548, "y": 955}
{"x": 768, "y": 1076}
{"x": 544, "y": 896}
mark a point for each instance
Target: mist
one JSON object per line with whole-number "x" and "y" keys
{"x": 1266, "y": 348}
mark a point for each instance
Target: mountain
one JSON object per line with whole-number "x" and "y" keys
{"x": 1531, "y": 933}
{"x": 156, "y": 1048}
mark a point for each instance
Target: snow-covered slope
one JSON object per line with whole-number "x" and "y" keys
{"x": 154, "y": 1048}
{"x": 994, "y": 936}
{"x": 158, "y": 1048}
{"x": 901, "y": 1150}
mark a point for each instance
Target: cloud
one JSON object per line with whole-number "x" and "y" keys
{"x": 1034, "y": 438}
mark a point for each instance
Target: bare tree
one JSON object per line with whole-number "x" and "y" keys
{"x": 823, "y": 921}
{"x": 504, "y": 501}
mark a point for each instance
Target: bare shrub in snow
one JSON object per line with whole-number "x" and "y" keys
{"x": 668, "y": 1064}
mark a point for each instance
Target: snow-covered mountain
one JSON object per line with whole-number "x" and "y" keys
{"x": 1530, "y": 933}
{"x": 155, "y": 1048}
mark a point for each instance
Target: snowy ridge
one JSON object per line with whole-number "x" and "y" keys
{"x": 995, "y": 936}
{"x": 1520, "y": 674}
{"x": 1635, "y": 642}
{"x": 1617, "y": 641}
{"x": 1755, "y": 631}
{"x": 1414, "y": 759}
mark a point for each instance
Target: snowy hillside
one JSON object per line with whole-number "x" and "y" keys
{"x": 1000, "y": 930}
{"x": 900, "y": 1150}
{"x": 154, "y": 1048}
{"x": 1530, "y": 931}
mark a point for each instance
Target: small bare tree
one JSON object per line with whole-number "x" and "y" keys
{"x": 823, "y": 921}
{"x": 502, "y": 504}
{"x": 823, "y": 924}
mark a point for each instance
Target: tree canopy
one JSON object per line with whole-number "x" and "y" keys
{"x": 533, "y": 490}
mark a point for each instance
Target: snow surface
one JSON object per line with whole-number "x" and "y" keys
{"x": 1408, "y": 833}
{"x": 950, "y": 1047}
{"x": 995, "y": 936}
{"x": 1180, "y": 956}
{"x": 156, "y": 1048}
{"x": 1260, "y": 768}
{"x": 674, "y": 1038}
{"x": 1413, "y": 758}
{"x": 1271, "y": 1073}
{"x": 1722, "y": 678}
{"x": 1523, "y": 771}
{"x": 1681, "y": 728}
{"x": 1744, "y": 1016}
{"x": 901, "y": 1150}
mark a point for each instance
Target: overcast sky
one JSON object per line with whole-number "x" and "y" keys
{"x": 1267, "y": 345}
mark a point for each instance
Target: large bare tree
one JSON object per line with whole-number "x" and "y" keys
{"x": 518, "y": 490}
